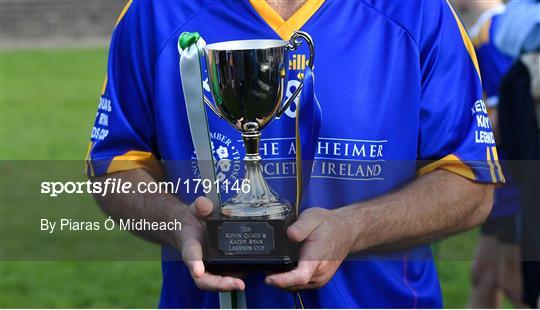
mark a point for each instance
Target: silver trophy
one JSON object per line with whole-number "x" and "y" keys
{"x": 247, "y": 80}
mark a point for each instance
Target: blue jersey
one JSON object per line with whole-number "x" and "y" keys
{"x": 493, "y": 66}
{"x": 397, "y": 81}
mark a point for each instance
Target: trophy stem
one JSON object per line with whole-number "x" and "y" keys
{"x": 260, "y": 201}
{"x": 252, "y": 140}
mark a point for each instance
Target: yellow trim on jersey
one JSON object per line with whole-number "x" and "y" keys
{"x": 449, "y": 163}
{"x": 286, "y": 28}
{"x": 270, "y": 16}
{"x": 104, "y": 87}
{"x": 300, "y": 17}
{"x": 123, "y": 13}
{"x": 483, "y": 35}
{"x": 497, "y": 164}
{"x": 134, "y": 160}
{"x": 491, "y": 166}
{"x": 466, "y": 40}
{"x": 87, "y": 160}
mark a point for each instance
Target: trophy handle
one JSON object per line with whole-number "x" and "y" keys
{"x": 294, "y": 43}
{"x": 206, "y": 101}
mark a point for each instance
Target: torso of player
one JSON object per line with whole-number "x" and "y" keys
{"x": 368, "y": 87}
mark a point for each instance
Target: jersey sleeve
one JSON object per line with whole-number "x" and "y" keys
{"x": 123, "y": 135}
{"x": 455, "y": 131}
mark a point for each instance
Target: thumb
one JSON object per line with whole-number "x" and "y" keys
{"x": 201, "y": 208}
{"x": 306, "y": 223}
{"x": 192, "y": 257}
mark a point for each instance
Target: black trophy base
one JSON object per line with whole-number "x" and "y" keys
{"x": 236, "y": 245}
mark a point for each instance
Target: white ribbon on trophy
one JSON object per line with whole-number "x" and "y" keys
{"x": 190, "y": 67}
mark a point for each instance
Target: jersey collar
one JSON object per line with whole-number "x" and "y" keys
{"x": 285, "y": 28}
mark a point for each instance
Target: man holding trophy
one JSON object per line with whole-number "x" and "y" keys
{"x": 348, "y": 179}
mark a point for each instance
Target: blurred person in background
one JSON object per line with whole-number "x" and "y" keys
{"x": 518, "y": 35}
{"x": 519, "y": 29}
{"x": 496, "y": 269}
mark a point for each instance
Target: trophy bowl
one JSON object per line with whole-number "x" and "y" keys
{"x": 247, "y": 79}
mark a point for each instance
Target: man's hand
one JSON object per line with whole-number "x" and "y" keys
{"x": 325, "y": 245}
{"x": 160, "y": 207}
{"x": 192, "y": 238}
{"x": 430, "y": 208}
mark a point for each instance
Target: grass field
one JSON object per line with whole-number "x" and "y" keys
{"x": 49, "y": 100}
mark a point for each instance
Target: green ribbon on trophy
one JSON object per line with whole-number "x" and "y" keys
{"x": 247, "y": 79}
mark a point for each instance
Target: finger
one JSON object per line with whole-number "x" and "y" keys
{"x": 309, "y": 286}
{"x": 311, "y": 258}
{"x": 318, "y": 280}
{"x": 192, "y": 257}
{"x": 323, "y": 273}
{"x": 202, "y": 208}
{"x": 210, "y": 282}
{"x": 306, "y": 223}
{"x": 301, "y": 275}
